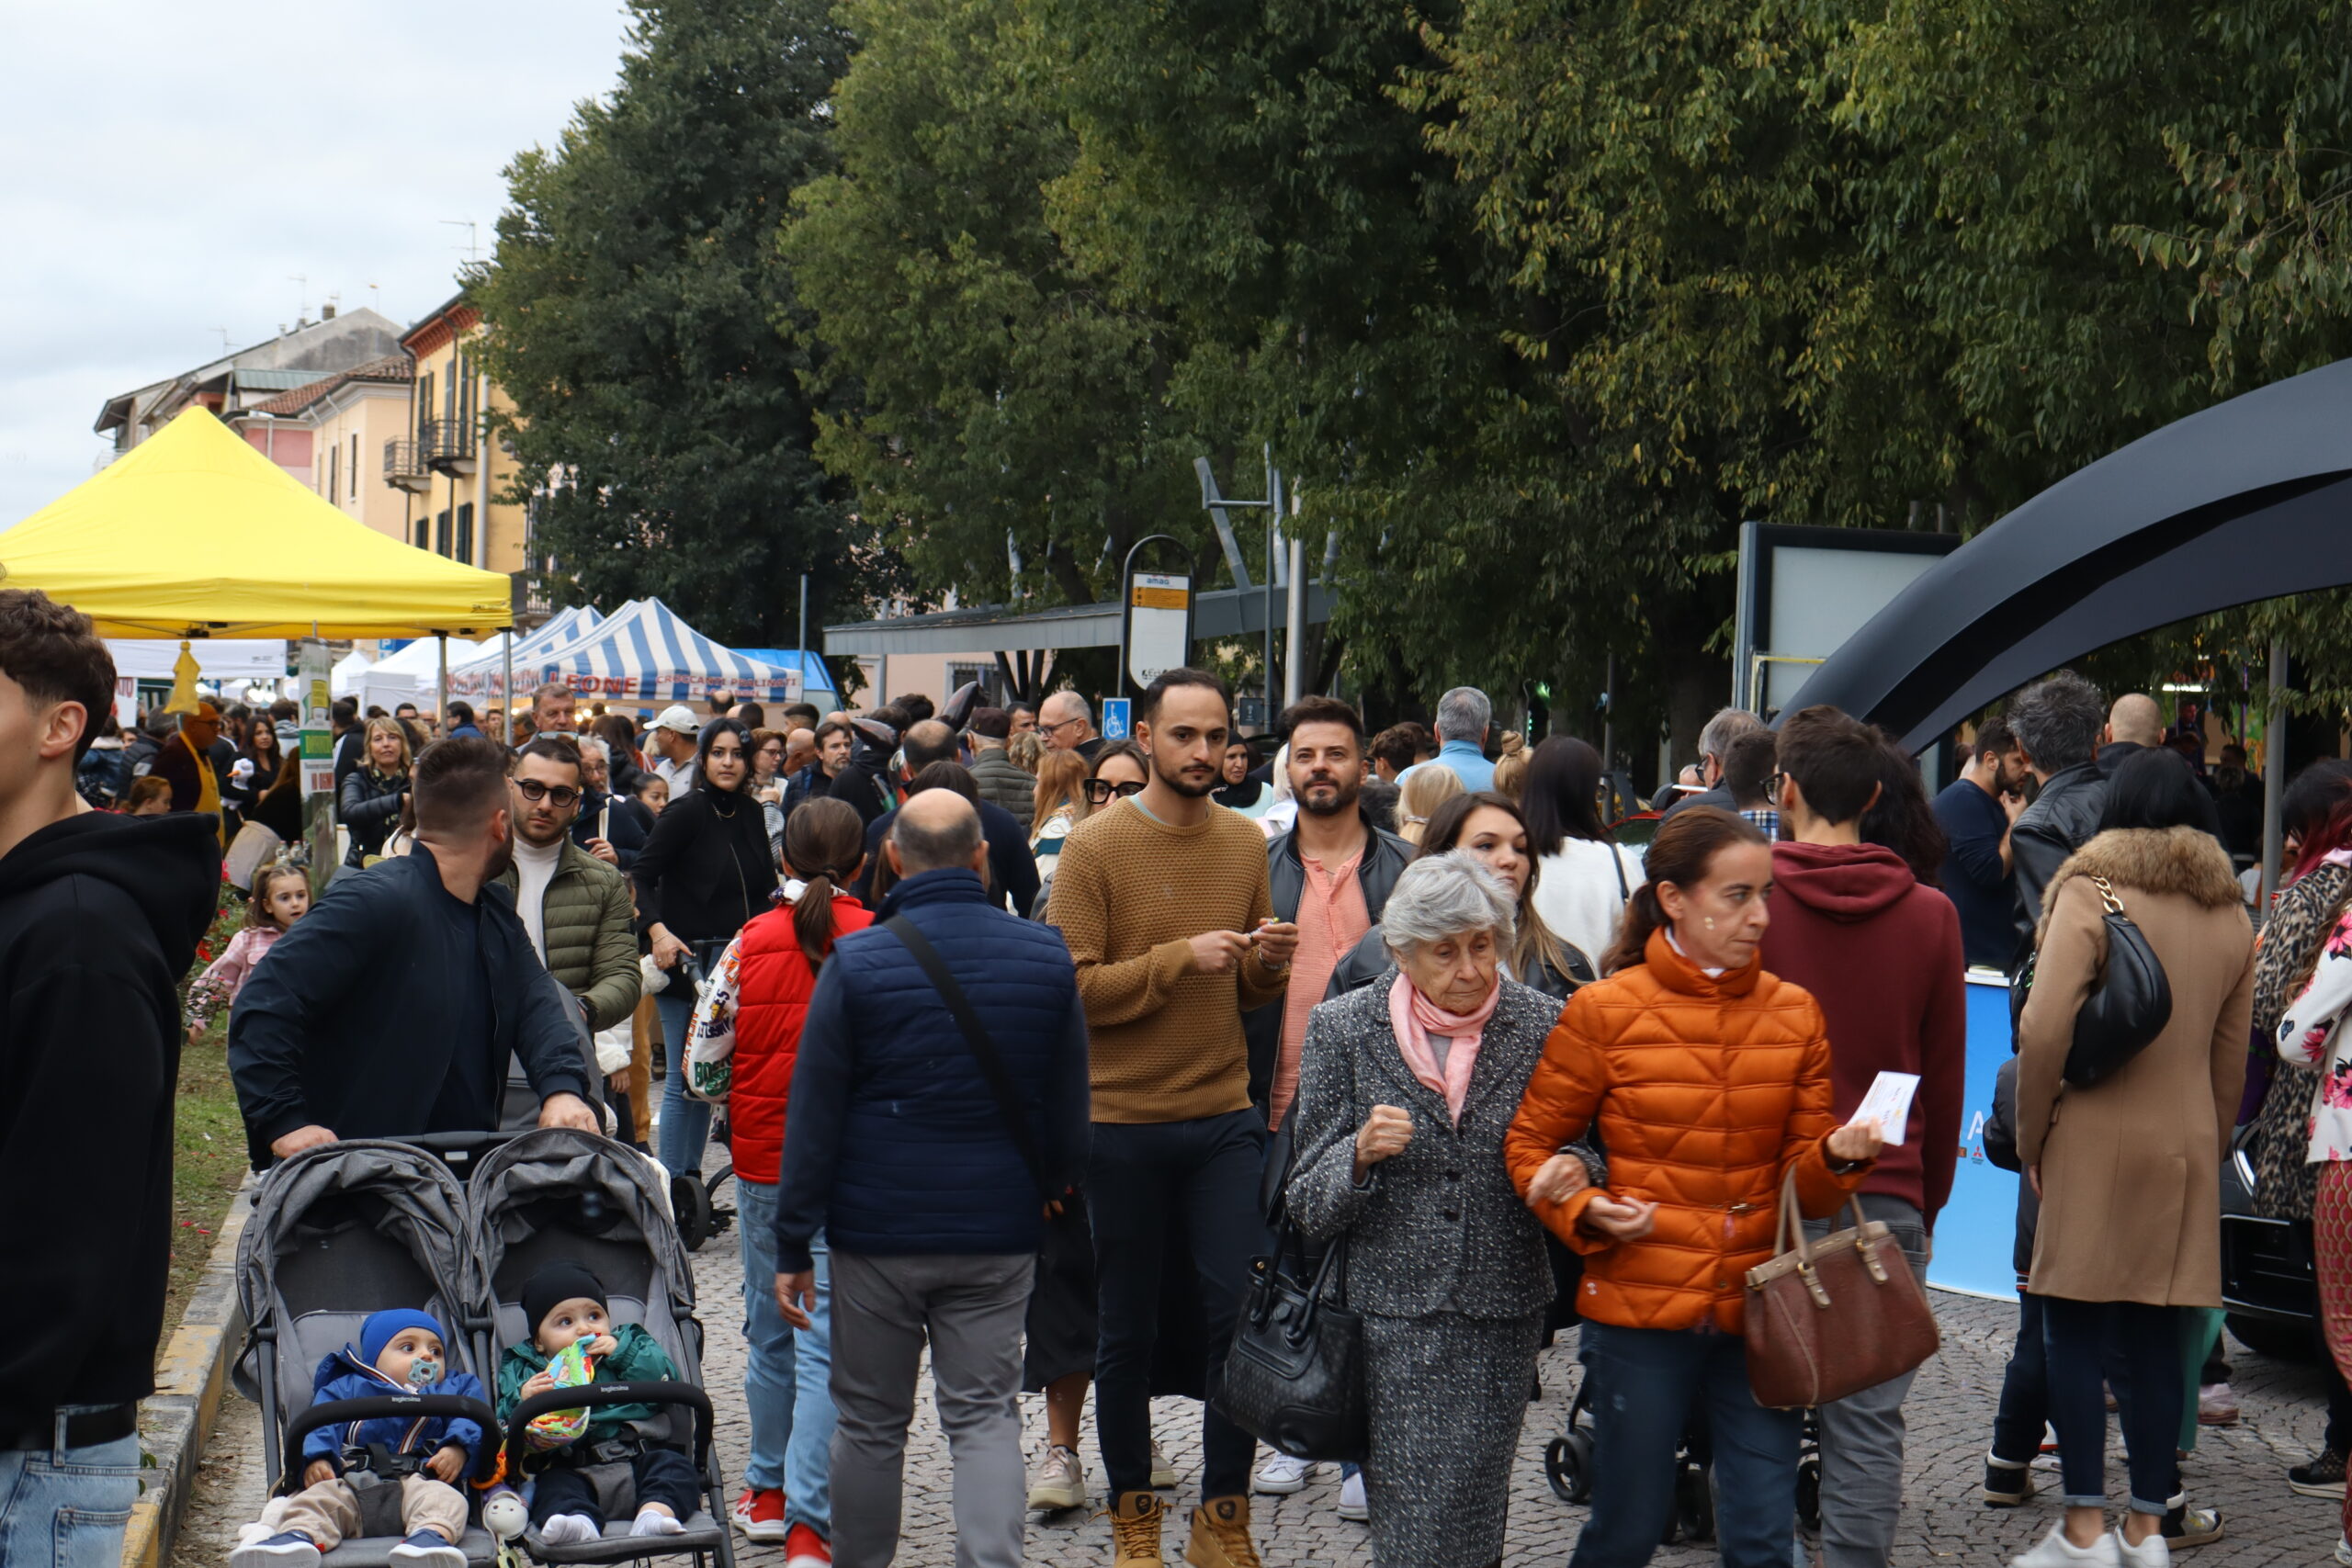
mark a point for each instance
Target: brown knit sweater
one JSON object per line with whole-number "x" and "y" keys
{"x": 1130, "y": 894}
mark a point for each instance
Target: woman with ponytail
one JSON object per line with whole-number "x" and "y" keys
{"x": 746, "y": 1037}
{"x": 1708, "y": 1080}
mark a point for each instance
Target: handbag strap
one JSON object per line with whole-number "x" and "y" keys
{"x": 1625, "y": 890}
{"x": 1790, "y": 1223}
{"x": 984, "y": 1051}
{"x": 2107, "y": 900}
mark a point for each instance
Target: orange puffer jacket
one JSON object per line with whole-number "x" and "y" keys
{"x": 1705, "y": 1090}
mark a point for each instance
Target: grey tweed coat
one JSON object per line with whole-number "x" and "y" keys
{"x": 1438, "y": 1227}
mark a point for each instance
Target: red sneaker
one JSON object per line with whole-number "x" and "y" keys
{"x": 760, "y": 1514}
{"x": 803, "y": 1548}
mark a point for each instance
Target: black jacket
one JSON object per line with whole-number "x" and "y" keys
{"x": 626, "y": 829}
{"x": 2061, "y": 819}
{"x": 369, "y": 804}
{"x": 99, "y": 917}
{"x": 703, "y": 872}
{"x": 1012, "y": 870}
{"x": 358, "y": 1021}
{"x": 1384, "y": 858}
{"x": 2001, "y": 1149}
{"x": 808, "y": 783}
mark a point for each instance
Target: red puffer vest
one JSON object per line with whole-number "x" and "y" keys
{"x": 774, "y": 982}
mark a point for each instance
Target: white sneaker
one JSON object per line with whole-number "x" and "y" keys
{"x": 1058, "y": 1483}
{"x": 1163, "y": 1474}
{"x": 2054, "y": 1551}
{"x": 2344, "y": 1551}
{"x": 1282, "y": 1476}
{"x": 2153, "y": 1553}
{"x": 1351, "y": 1499}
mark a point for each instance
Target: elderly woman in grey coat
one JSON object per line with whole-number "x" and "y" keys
{"x": 1406, "y": 1089}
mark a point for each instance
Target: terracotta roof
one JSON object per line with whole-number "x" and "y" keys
{"x": 394, "y": 368}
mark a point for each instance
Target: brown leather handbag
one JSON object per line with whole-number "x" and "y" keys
{"x": 1832, "y": 1317}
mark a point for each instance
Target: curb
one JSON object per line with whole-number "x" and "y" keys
{"x": 191, "y": 1376}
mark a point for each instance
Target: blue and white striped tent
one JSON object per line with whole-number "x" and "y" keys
{"x": 486, "y": 677}
{"x": 644, "y": 653}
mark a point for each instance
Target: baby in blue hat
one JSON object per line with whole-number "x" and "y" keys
{"x": 400, "y": 1351}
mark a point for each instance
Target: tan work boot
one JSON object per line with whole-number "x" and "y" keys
{"x": 1221, "y": 1535}
{"x": 1134, "y": 1530}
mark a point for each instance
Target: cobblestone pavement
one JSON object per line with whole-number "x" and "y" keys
{"x": 2239, "y": 1470}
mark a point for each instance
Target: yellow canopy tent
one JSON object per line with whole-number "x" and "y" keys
{"x": 194, "y": 534}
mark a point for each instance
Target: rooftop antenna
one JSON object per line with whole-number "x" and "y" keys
{"x": 303, "y": 307}
{"x": 376, "y": 298}
{"x": 473, "y": 245}
{"x": 224, "y": 338}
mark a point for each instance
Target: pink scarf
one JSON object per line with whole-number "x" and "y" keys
{"x": 1414, "y": 1018}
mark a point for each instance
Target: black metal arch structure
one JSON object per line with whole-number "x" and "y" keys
{"x": 2249, "y": 500}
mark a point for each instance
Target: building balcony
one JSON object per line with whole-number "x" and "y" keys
{"x": 532, "y": 600}
{"x": 404, "y": 467}
{"x": 447, "y": 446}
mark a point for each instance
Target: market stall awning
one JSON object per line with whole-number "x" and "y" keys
{"x": 644, "y": 653}
{"x": 485, "y": 677}
{"x": 193, "y": 533}
{"x": 2248, "y": 500}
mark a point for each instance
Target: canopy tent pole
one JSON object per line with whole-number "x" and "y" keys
{"x": 2274, "y": 773}
{"x": 441, "y": 698}
{"x": 506, "y": 683}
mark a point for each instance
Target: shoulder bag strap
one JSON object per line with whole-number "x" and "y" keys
{"x": 984, "y": 1052}
{"x": 1624, "y": 889}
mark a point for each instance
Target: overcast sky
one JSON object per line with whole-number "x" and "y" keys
{"x": 171, "y": 169}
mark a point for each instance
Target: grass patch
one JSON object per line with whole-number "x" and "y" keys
{"x": 208, "y": 1137}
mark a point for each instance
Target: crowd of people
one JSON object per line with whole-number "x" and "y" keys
{"x": 1028, "y": 1043}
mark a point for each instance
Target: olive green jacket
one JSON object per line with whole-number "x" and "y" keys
{"x": 591, "y": 941}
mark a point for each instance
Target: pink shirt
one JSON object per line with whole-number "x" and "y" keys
{"x": 1331, "y": 920}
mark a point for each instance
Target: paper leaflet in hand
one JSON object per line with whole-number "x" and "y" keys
{"x": 1888, "y": 1104}
{"x": 571, "y": 1368}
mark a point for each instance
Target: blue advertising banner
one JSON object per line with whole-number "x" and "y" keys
{"x": 1977, "y": 1230}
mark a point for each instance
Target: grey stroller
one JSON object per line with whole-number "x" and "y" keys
{"x": 555, "y": 1194}
{"x": 339, "y": 1232}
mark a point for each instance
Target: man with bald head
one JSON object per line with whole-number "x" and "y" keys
{"x": 2134, "y": 722}
{"x": 939, "y": 1112}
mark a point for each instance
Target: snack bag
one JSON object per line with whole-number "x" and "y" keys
{"x": 571, "y": 1368}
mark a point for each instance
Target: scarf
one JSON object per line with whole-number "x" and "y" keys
{"x": 1415, "y": 1017}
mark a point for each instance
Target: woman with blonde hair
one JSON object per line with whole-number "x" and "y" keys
{"x": 1060, "y": 805}
{"x": 1428, "y": 787}
{"x": 372, "y": 792}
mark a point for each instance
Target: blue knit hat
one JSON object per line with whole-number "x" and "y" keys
{"x": 380, "y": 1329}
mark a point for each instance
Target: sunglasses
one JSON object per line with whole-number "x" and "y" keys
{"x": 1100, "y": 791}
{"x": 536, "y": 791}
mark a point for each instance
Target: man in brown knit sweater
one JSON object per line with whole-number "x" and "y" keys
{"x": 1163, "y": 898}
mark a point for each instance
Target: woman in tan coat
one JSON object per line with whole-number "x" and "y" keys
{"x": 2128, "y": 1170}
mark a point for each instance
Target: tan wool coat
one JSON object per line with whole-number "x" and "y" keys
{"x": 2130, "y": 1167}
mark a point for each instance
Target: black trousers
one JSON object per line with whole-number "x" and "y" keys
{"x": 1139, "y": 1177}
{"x": 663, "y": 1475}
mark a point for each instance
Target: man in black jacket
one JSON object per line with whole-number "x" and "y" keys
{"x": 1012, "y": 870}
{"x": 1337, "y": 837}
{"x": 99, "y": 917}
{"x": 392, "y": 1007}
{"x": 2055, "y": 723}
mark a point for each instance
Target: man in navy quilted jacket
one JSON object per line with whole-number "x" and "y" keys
{"x": 931, "y": 1196}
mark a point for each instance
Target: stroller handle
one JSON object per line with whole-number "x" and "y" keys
{"x": 335, "y": 1411}
{"x": 588, "y": 1395}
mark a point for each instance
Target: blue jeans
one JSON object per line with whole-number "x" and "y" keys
{"x": 1644, "y": 1385}
{"x": 67, "y": 1507}
{"x": 686, "y": 1122}
{"x": 2088, "y": 1342}
{"x": 789, "y": 1378}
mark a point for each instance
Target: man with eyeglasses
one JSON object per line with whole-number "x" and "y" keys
{"x": 574, "y": 905}
{"x": 1067, "y": 724}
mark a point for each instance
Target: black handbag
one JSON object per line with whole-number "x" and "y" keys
{"x": 2125, "y": 1010}
{"x": 1295, "y": 1375}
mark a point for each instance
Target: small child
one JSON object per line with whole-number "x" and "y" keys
{"x": 400, "y": 1350}
{"x": 565, "y": 1303}
{"x": 149, "y": 796}
{"x": 281, "y": 896}
{"x": 653, "y": 791}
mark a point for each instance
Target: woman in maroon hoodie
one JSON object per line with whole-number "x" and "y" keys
{"x": 1881, "y": 955}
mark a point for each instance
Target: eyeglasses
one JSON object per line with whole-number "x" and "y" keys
{"x": 1062, "y": 724}
{"x": 536, "y": 791}
{"x": 1100, "y": 791}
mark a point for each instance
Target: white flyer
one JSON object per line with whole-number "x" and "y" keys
{"x": 1889, "y": 1104}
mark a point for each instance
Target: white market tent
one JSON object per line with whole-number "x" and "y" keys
{"x": 239, "y": 661}
{"x": 343, "y": 679}
{"x": 644, "y": 653}
{"x": 408, "y": 675}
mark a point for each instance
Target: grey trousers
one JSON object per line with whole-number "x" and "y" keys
{"x": 971, "y": 1307}
{"x": 1861, "y": 1435}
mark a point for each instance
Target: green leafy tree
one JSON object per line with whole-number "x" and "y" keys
{"x": 651, "y": 338}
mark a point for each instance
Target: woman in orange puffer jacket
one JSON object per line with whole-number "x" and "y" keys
{"x": 1708, "y": 1079}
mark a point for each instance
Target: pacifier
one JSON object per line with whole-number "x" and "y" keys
{"x": 423, "y": 1371}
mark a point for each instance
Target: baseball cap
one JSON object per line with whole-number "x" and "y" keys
{"x": 678, "y": 717}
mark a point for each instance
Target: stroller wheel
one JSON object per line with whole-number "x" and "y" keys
{"x": 1567, "y": 1465}
{"x": 1809, "y": 1494}
{"x": 1694, "y": 1503}
{"x": 693, "y": 1206}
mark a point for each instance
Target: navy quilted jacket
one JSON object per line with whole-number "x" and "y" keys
{"x": 892, "y": 1143}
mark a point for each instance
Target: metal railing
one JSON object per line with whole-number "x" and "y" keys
{"x": 404, "y": 466}
{"x": 447, "y": 444}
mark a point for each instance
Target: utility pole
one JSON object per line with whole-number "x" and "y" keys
{"x": 1217, "y": 504}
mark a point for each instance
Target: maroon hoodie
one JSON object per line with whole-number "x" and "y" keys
{"x": 1881, "y": 955}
